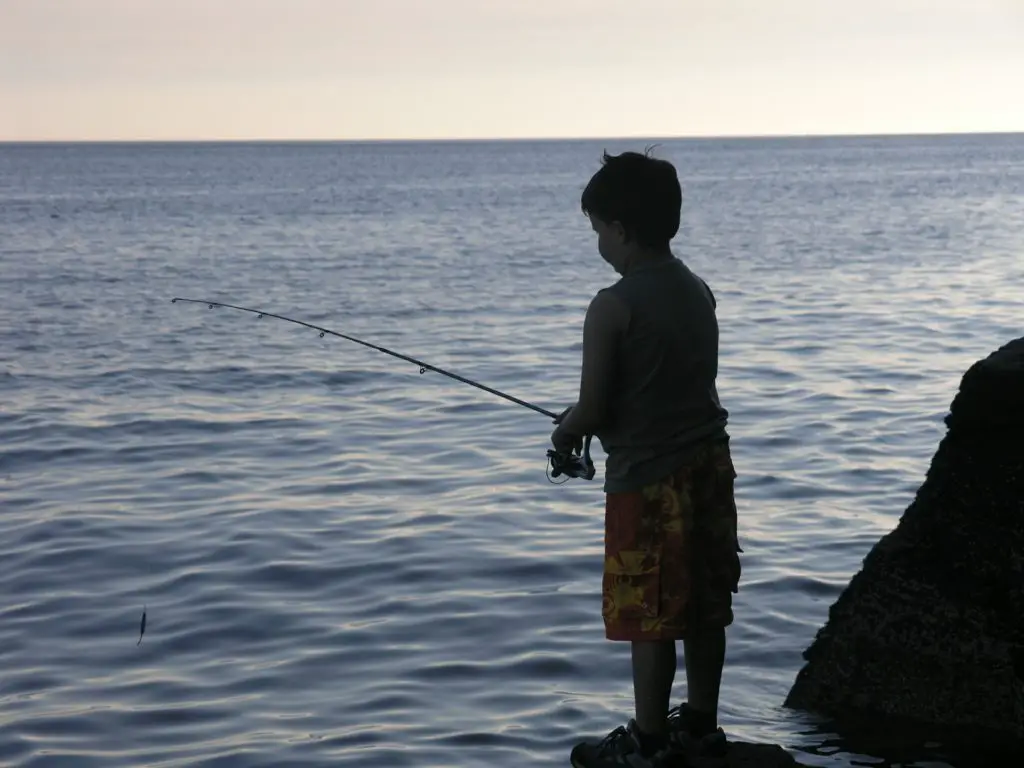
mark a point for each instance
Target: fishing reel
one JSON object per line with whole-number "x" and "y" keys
{"x": 572, "y": 464}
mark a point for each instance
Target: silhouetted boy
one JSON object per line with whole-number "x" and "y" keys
{"x": 647, "y": 391}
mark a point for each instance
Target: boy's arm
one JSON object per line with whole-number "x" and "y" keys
{"x": 605, "y": 323}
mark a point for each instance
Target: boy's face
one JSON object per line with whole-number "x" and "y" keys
{"x": 611, "y": 242}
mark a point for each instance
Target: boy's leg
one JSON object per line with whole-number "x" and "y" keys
{"x": 715, "y": 578}
{"x": 643, "y": 542}
{"x": 704, "y": 653}
{"x": 654, "y": 671}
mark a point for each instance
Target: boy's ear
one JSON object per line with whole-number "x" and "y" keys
{"x": 620, "y": 231}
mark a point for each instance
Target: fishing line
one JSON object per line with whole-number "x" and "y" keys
{"x": 570, "y": 464}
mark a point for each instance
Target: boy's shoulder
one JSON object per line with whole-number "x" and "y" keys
{"x": 703, "y": 282}
{"x": 608, "y": 310}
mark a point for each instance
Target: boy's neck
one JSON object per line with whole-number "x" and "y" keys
{"x": 646, "y": 257}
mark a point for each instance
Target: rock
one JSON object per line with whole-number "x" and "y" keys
{"x": 931, "y": 630}
{"x": 742, "y": 754}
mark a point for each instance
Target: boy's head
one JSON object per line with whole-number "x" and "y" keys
{"x": 634, "y": 203}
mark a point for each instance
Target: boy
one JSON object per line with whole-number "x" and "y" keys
{"x": 647, "y": 391}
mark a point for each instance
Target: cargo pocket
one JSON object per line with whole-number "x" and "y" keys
{"x": 726, "y": 498}
{"x": 631, "y": 585}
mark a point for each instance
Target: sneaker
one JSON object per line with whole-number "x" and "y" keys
{"x": 684, "y": 738}
{"x": 619, "y": 749}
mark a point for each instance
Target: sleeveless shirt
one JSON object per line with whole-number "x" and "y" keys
{"x": 663, "y": 398}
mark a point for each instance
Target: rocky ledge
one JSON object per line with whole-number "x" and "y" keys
{"x": 741, "y": 754}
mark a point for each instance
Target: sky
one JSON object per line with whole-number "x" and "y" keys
{"x": 453, "y": 69}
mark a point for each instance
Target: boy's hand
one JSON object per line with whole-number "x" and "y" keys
{"x": 564, "y": 442}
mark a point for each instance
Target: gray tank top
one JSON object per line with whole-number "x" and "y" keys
{"x": 664, "y": 402}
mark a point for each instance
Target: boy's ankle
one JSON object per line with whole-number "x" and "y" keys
{"x": 697, "y": 723}
{"x": 651, "y": 743}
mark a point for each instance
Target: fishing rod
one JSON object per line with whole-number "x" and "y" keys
{"x": 568, "y": 464}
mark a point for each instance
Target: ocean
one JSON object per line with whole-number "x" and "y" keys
{"x": 345, "y": 562}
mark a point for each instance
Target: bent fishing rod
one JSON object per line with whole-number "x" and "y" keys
{"x": 568, "y": 464}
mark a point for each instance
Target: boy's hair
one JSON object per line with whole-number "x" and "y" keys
{"x": 640, "y": 192}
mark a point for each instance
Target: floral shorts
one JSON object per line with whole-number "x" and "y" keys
{"x": 672, "y": 552}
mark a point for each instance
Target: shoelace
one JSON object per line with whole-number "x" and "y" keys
{"x": 678, "y": 726}
{"x": 610, "y": 742}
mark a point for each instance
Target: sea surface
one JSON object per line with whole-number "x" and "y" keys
{"x": 344, "y": 562}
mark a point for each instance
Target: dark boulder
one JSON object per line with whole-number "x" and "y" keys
{"x": 931, "y": 629}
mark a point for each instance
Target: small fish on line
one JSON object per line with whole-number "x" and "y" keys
{"x": 142, "y": 627}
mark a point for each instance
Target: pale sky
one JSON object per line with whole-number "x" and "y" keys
{"x": 367, "y": 69}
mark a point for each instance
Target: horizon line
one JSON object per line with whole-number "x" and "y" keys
{"x": 524, "y": 139}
